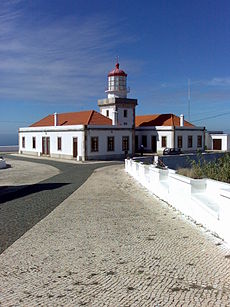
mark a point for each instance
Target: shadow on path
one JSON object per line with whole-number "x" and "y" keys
{"x": 23, "y": 209}
{"x": 9, "y": 193}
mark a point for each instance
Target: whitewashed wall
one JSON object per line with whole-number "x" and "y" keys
{"x": 225, "y": 140}
{"x": 122, "y": 121}
{"x": 53, "y": 132}
{"x": 125, "y": 121}
{"x": 204, "y": 200}
{"x": 111, "y": 110}
{"x": 168, "y": 131}
{"x": 102, "y": 135}
{"x": 181, "y": 131}
{"x": 158, "y": 132}
{"x": 68, "y": 133}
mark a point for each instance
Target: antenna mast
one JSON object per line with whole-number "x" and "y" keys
{"x": 189, "y": 98}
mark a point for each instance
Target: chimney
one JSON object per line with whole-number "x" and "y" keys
{"x": 182, "y": 120}
{"x": 55, "y": 119}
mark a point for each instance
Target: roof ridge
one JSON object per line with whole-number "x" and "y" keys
{"x": 90, "y": 117}
{"x": 74, "y": 112}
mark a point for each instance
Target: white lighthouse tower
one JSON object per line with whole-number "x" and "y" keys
{"x": 117, "y": 106}
{"x": 117, "y": 83}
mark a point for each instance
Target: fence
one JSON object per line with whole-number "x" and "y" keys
{"x": 204, "y": 200}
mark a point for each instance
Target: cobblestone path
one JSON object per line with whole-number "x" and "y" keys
{"x": 22, "y": 209}
{"x": 112, "y": 244}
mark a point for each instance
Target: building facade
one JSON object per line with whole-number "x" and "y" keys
{"x": 217, "y": 141}
{"x": 111, "y": 134}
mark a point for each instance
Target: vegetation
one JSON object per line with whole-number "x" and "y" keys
{"x": 217, "y": 170}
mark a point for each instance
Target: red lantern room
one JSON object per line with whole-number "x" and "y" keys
{"x": 117, "y": 86}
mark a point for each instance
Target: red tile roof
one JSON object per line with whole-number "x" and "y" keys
{"x": 159, "y": 120}
{"x": 74, "y": 118}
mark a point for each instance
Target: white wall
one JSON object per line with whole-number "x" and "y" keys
{"x": 168, "y": 131}
{"x": 125, "y": 121}
{"x": 208, "y": 141}
{"x": 225, "y": 141}
{"x": 52, "y": 132}
{"x": 205, "y": 201}
{"x": 122, "y": 121}
{"x": 181, "y": 131}
{"x": 158, "y": 132}
{"x": 102, "y": 135}
{"x": 68, "y": 133}
{"x": 111, "y": 110}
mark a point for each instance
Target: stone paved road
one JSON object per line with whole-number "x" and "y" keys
{"x": 111, "y": 244}
{"x": 23, "y": 208}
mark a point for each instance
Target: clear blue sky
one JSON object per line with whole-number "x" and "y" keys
{"x": 55, "y": 56}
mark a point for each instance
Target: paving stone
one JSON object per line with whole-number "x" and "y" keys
{"x": 94, "y": 250}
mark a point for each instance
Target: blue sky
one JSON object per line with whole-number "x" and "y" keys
{"x": 55, "y": 56}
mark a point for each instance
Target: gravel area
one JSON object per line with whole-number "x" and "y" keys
{"x": 21, "y": 209}
{"x": 21, "y": 173}
{"x": 111, "y": 243}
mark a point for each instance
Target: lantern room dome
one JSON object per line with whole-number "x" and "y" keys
{"x": 117, "y": 72}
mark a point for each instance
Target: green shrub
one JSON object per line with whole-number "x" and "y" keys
{"x": 218, "y": 169}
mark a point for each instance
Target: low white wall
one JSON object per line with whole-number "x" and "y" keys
{"x": 204, "y": 200}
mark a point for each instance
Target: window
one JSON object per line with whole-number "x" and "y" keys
{"x": 107, "y": 113}
{"x": 189, "y": 141}
{"x": 110, "y": 143}
{"x": 59, "y": 143}
{"x": 125, "y": 143}
{"x": 34, "y": 142}
{"x": 94, "y": 144}
{"x": 199, "y": 141}
{"x": 144, "y": 140}
{"x": 125, "y": 113}
{"x": 23, "y": 142}
{"x": 179, "y": 141}
{"x": 164, "y": 141}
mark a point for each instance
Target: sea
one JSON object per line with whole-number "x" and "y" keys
{"x": 8, "y": 142}
{"x": 8, "y": 139}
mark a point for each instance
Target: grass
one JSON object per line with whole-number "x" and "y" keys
{"x": 218, "y": 169}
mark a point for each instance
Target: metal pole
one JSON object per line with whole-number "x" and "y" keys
{"x": 189, "y": 98}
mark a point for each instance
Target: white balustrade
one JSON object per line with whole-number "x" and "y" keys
{"x": 204, "y": 200}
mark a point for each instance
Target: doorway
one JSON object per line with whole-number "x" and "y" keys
{"x": 154, "y": 143}
{"x": 46, "y": 146}
{"x": 217, "y": 144}
{"x": 74, "y": 147}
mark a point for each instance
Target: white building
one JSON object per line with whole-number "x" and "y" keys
{"x": 110, "y": 134}
{"x": 158, "y": 131}
{"x": 217, "y": 140}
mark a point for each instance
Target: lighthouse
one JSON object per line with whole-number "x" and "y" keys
{"x": 117, "y": 106}
{"x": 117, "y": 83}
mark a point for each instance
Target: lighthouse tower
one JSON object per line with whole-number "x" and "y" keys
{"x": 117, "y": 85}
{"x": 117, "y": 106}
